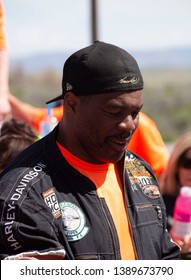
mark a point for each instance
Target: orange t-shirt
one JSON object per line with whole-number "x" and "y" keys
{"x": 3, "y": 41}
{"x": 108, "y": 185}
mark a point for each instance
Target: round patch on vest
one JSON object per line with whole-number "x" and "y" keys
{"x": 74, "y": 221}
{"x": 151, "y": 191}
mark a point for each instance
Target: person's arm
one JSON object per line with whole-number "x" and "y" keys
{"x": 37, "y": 234}
{"x": 30, "y": 114}
{"x": 23, "y": 110}
{"x": 5, "y": 108}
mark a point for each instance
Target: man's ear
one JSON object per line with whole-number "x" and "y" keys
{"x": 70, "y": 102}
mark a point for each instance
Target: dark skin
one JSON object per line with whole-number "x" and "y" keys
{"x": 97, "y": 128}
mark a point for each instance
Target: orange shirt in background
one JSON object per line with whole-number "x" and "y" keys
{"x": 148, "y": 144}
{"x": 3, "y": 39}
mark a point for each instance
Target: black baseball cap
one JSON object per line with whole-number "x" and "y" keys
{"x": 100, "y": 68}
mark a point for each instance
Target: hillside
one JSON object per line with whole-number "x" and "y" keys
{"x": 161, "y": 59}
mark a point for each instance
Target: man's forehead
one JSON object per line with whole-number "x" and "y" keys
{"x": 120, "y": 100}
{"x": 120, "y": 97}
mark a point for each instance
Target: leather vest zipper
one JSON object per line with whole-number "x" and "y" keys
{"x": 128, "y": 217}
{"x": 111, "y": 230}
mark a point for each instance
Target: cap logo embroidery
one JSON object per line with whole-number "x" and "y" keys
{"x": 68, "y": 86}
{"x": 125, "y": 80}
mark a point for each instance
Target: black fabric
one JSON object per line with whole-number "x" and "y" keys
{"x": 100, "y": 68}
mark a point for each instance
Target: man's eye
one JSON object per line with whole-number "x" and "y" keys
{"x": 115, "y": 114}
{"x": 135, "y": 115}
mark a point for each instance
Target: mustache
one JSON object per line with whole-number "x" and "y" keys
{"x": 123, "y": 136}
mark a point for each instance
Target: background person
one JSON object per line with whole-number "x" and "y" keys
{"x": 15, "y": 136}
{"x": 177, "y": 175}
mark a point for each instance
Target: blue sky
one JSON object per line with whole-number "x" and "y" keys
{"x": 35, "y": 26}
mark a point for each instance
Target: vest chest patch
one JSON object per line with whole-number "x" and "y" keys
{"x": 51, "y": 201}
{"x": 74, "y": 221}
{"x": 140, "y": 178}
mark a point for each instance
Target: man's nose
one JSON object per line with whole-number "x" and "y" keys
{"x": 127, "y": 124}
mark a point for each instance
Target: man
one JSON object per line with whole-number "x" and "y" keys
{"x": 78, "y": 193}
